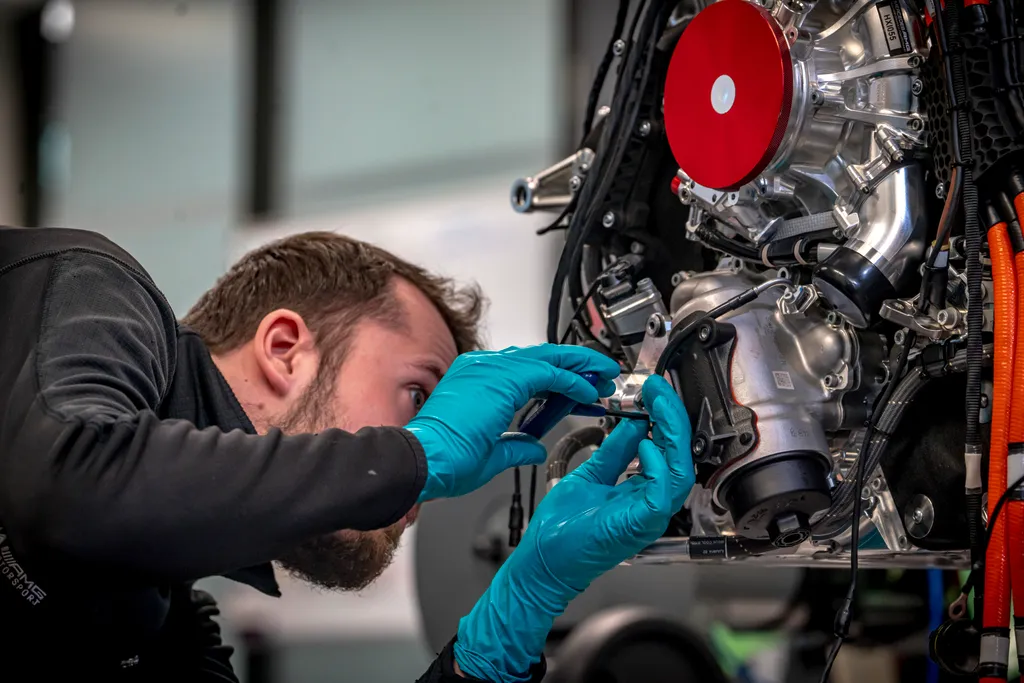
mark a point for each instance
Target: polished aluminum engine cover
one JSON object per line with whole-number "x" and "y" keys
{"x": 840, "y": 154}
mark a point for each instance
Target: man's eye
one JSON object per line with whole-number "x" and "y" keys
{"x": 419, "y": 397}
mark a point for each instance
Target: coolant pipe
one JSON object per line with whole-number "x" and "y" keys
{"x": 1015, "y": 448}
{"x": 995, "y": 638}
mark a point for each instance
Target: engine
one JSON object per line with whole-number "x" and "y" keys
{"x": 782, "y": 210}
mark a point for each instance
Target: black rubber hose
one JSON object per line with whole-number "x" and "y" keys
{"x": 568, "y": 446}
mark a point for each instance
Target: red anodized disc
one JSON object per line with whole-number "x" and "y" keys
{"x": 728, "y": 94}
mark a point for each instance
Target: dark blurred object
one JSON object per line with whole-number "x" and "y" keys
{"x": 624, "y": 645}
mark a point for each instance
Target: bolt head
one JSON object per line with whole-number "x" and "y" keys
{"x": 817, "y": 97}
{"x": 704, "y": 333}
{"x": 830, "y": 380}
{"x": 918, "y": 515}
{"x": 656, "y": 325}
{"x": 917, "y": 87}
{"x": 699, "y": 445}
{"x": 645, "y": 128}
{"x": 916, "y": 124}
{"x": 608, "y": 220}
{"x": 914, "y": 61}
{"x": 619, "y": 47}
{"x": 677, "y": 279}
{"x": 900, "y": 337}
{"x": 575, "y": 183}
{"x": 839, "y": 234}
{"x": 943, "y": 317}
{"x": 940, "y": 191}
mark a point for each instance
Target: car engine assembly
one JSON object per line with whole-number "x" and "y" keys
{"x": 807, "y": 215}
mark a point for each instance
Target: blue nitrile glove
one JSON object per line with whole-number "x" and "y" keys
{"x": 460, "y": 426}
{"x": 583, "y": 527}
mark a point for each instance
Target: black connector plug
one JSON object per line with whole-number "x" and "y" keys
{"x": 515, "y": 520}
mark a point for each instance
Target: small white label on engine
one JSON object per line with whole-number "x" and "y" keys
{"x": 783, "y": 380}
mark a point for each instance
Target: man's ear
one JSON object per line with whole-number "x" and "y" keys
{"x": 285, "y": 351}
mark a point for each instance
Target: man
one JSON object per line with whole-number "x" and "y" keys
{"x": 305, "y": 407}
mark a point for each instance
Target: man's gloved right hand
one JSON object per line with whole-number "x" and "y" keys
{"x": 586, "y": 525}
{"x": 460, "y": 426}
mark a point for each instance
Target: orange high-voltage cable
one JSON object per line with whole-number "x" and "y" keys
{"x": 1015, "y": 448}
{"x": 995, "y": 639}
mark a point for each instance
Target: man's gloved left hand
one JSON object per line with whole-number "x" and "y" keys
{"x": 460, "y": 426}
{"x": 586, "y": 525}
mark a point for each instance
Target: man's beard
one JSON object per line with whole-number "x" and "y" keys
{"x": 344, "y": 560}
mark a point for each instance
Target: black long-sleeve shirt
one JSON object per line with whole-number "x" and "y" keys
{"x": 128, "y": 470}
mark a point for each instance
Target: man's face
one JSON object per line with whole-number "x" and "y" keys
{"x": 384, "y": 379}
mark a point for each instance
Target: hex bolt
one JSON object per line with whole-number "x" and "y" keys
{"x": 817, "y": 97}
{"x": 832, "y": 318}
{"x": 677, "y": 278}
{"x": 704, "y": 333}
{"x": 644, "y": 129}
{"x": 940, "y": 190}
{"x": 831, "y": 381}
{"x": 876, "y": 484}
{"x": 636, "y": 248}
{"x": 914, "y": 61}
{"x": 918, "y": 515}
{"x": 575, "y": 183}
{"x": 900, "y": 337}
{"x": 865, "y": 493}
{"x": 746, "y": 438}
{"x": 916, "y": 124}
{"x": 619, "y": 47}
{"x": 839, "y": 234}
{"x": 917, "y": 87}
{"x": 608, "y": 220}
{"x": 903, "y": 542}
{"x": 656, "y": 325}
{"x": 700, "y": 445}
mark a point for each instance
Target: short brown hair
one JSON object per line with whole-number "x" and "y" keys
{"x": 333, "y": 282}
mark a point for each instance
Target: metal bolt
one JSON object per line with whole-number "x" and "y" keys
{"x": 830, "y": 381}
{"x": 917, "y": 87}
{"x": 984, "y": 401}
{"x": 636, "y": 248}
{"x": 865, "y": 493}
{"x": 608, "y": 220}
{"x": 839, "y": 234}
{"x": 817, "y": 97}
{"x": 704, "y": 333}
{"x": 574, "y": 183}
{"x": 677, "y": 278}
{"x": 832, "y": 318}
{"x": 876, "y": 484}
{"x": 746, "y": 438}
{"x": 656, "y": 325}
{"x": 914, "y": 61}
{"x": 943, "y": 317}
{"x": 700, "y": 444}
{"x": 903, "y": 542}
{"x": 918, "y": 515}
{"x": 940, "y": 191}
{"x": 645, "y": 128}
{"x": 619, "y": 47}
{"x": 915, "y": 123}
{"x": 900, "y": 337}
